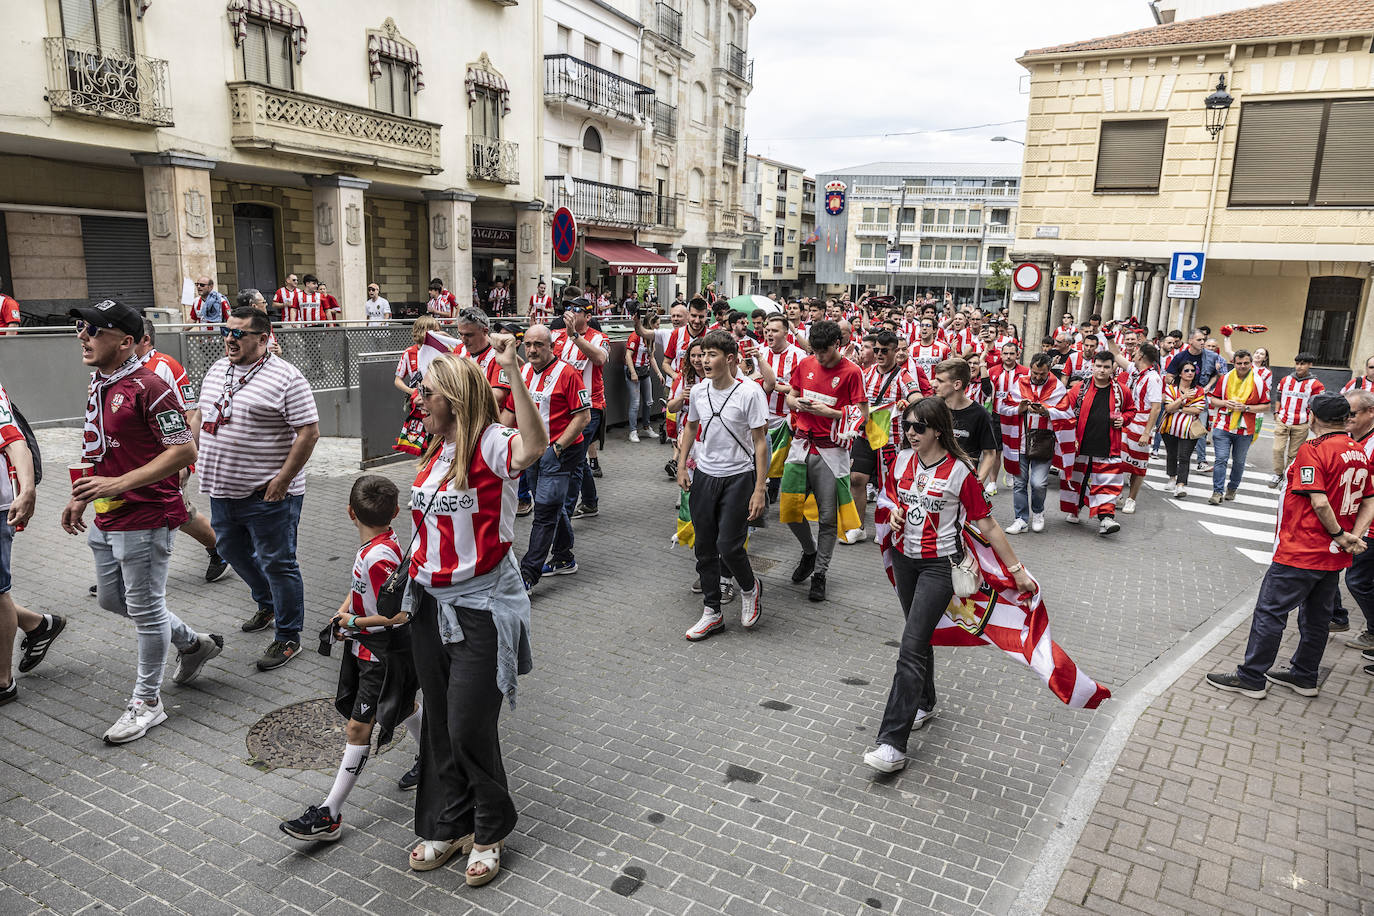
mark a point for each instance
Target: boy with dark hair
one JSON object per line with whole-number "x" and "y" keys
{"x": 376, "y": 681}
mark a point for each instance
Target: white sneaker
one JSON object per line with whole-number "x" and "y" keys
{"x": 1274, "y": 482}
{"x": 750, "y": 606}
{"x": 1128, "y": 506}
{"x": 855, "y": 535}
{"x": 1180, "y": 491}
{"x": 1072, "y": 518}
{"x": 1018, "y": 527}
{"x": 1108, "y": 525}
{"x": 634, "y": 435}
{"x": 135, "y": 722}
{"x": 1037, "y": 521}
{"x": 710, "y": 622}
{"x": 885, "y": 759}
{"x": 1006, "y": 480}
{"x": 990, "y": 490}
{"x": 923, "y": 717}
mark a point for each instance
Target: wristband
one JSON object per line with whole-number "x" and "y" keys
{"x": 353, "y": 624}
{"x": 1337, "y": 534}
{"x": 1016, "y": 569}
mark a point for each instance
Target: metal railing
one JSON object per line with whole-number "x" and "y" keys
{"x": 669, "y": 24}
{"x": 731, "y": 144}
{"x": 100, "y": 82}
{"x": 576, "y": 80}
{"x": 490, "y": 159}
{"x": 737, "y": 63}
{"x": 666, "y": 210}
{"x": 665, "y": 120}
{"x": 597, "y": 202}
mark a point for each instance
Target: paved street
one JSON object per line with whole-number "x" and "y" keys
{"x": 659, "y": 776}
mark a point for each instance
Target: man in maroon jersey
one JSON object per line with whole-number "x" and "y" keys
{"x": 137, "y": 440}
{"x": 1325, "y": 514}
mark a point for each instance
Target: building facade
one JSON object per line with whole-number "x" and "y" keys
{"x": 695, "y": 58}
{"x": 773, "y": 195}
{"x": 351, "y": 141}
{"x": 1121, "y": 171}
{"x": 947, "y": 221}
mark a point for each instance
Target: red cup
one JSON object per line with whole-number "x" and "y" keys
{"x": 82, "y": 469}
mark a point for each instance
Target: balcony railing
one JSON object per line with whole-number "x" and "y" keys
{"x": 669, "y": 24}
{"x": 264, "y": 117}
{"x": 595, "y": 202}
{"x": 952, "y": 267}
{"x": 731, "y": 145}
{"x": 878, "y": 264}
{"x": 665, "y": 120}
{"x": 999, "y": 231}
{"x": 940, "y": 190}
{"x": 746, "y": 263}
{"x": 737, "y": 63}
{"x": 872, "y": 229}
{"x": 572, "y": 79}
{"x": 493, "y": 160}
{"x": 908, "y": 230}
{"x": 948, "y": 229}
{"x": 666, "y": 210}
{"x": 98, "y": 82}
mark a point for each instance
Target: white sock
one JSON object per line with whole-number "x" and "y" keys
{"x": 412, "y": 722}
{"x": 354, "y": 758}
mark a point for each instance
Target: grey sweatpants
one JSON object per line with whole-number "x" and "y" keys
{"x": 821, "y": 484}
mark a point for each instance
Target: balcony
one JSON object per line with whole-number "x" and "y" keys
{"x": 1000, "y": 231}
{"x": 881, "y": 229}
{"x": 596, "y": 203}
{"x": 809, "y": 205}
{"x": 946, "y": 229}
{"x": 665, "y": 120}
{"x": 493, "y": 160}
{"x": 731, "y": 145}
{"x": 669, "y": 24}
{"x": 908, "y": 230}
{"x": 264, "y": 117}
{"x": 745, "y": 263}
{"x": 878, "y": 265}
{"x": 666, "y": 211}
{"x": 950, "y": 267}
{"x": 738, "y": 65}
{"x": 950, "y": 191}
{"x": 111, "y": 85}
{"x": 570, "y": 79}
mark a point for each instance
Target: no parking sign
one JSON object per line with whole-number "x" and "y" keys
{"x": 564, "y": 235}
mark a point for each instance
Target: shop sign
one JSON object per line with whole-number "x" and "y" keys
{"x": 493, "y": 237}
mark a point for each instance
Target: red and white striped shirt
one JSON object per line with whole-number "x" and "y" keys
{"x": 374, "y": 562}
{"x": 1361, "y": 382}
{"x": 641, "y": 353}
{"x": 558, "y": 392}
{"x": 442, "y": 305}
{"x": 937, "y": 500}
{"x": 782, "y": 365}
{"x": 408, "y": 367}
{"x": 1294, "y": 395}
{"x": 679, "y": 342}
{"x": 309, "y": 308}
{"x": 486, "y": 361}
{"x": 886, "y": 389}
{"x": 1077, "y": 367}
{"x": 171, "y": 372}
{"x": 927, "y": 357}
{"x": 540, "y": 307}
{"x": 287, "y": 299}
{"x": 593, "y": 378}
{"x": 468, "y": 531}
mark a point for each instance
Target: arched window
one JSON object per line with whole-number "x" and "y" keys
{"x": 703, "y": 24}
{"x": 695, "y": 183}
{"x": 591, "y": 140}
{"x": 698, "y": 102}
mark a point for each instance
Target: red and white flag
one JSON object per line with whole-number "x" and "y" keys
{"x": 999, "y": 615}
{"x": 436, "y": 344}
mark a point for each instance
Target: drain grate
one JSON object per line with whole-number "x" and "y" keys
{"x": 306, "y": 736}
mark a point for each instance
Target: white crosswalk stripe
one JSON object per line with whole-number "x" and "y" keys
{"x": 1247, "y": 521}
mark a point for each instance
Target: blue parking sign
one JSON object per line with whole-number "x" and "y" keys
{"x": 1187, "y": 267}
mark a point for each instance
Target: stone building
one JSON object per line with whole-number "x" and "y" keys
{"x": 1125, "y": 165}
{"x": 773, "y": 196}
{"x": 145, "y": 142}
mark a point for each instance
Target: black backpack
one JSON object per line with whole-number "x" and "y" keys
{"x": 32, "y": 441}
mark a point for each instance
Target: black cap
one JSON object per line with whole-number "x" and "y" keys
{"x": 580, "y": 304}
{"x": 1330, "y": 407}
{"x": 111, "y": 314}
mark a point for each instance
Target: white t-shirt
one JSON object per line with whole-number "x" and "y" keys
{"x": 378, "y": 311}
{"x": 724, "y": 444}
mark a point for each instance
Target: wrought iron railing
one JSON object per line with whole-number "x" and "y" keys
{"x": 666, "y": 210}
{"x": 665, "y": 120}
{"x": 89, "y": 80}
{"x": 600, "y": 203}
{"x": 490, "y": 159}
{"x": 731, "y": 144}
{"x": 669, "y": 24}
{"x": 576, "y": 80}
{"x": 737, "y": 63}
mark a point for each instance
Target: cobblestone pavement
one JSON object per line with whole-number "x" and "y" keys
{"x": 652, "y": 775}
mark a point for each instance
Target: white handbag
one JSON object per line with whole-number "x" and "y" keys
{"x": 965, "y": 575}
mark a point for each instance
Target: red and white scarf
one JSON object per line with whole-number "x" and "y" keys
{"x": 93, "y": 442}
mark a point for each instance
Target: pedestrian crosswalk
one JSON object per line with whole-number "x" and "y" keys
{"x": 1247, "y": 521}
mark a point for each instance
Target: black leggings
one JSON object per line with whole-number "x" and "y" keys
{"x": 1177, "y": 452}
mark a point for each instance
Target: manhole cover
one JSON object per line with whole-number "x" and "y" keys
{"x": 305, "y": 736}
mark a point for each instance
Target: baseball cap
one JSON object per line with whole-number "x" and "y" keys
{"x": 111, "y": 314}
{"x": 580, "y": 304}
{"x": 1330, "y": 408}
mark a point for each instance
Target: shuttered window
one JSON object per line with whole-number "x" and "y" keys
{"x": 1130, "y": 156}
{"x": 1276, "y": 151}
{"x": 118, "y": 262}
{"x": 1346, "y": 175}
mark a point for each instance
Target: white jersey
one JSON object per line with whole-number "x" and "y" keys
{"x": 378, "y": 311}
{"x": 726, "y": 421}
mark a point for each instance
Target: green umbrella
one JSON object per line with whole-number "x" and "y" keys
{"x": 747, "y": 305}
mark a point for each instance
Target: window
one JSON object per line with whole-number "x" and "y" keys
{"x": 1000, "y": 217}
{"x": 940, "y": 252}
{"x": 1130, "y": 155}
{"x": 617, "y": 62}
{"x": 997, "y": 254}
{"x": 104, "y": 24}
{"x": 906, "y": 215}
{"x": 866, "y": 250}
{"x": 695, "y": 183}
{"x": 564, "y": 39}
{"x": 906, "y": 252}
{"x": 884, "y": 214}
{"x": 942, "y": 218}
{"x": 591, "y": 140}
{"x": 790, "y": 262}
{"x": 486, "y": 112}
{"x": 975, "y": 217}
{"x": 777, "y": 237}
{"x": 615, "y": 176}
{"x": 591, "y": 51}
{"x": 267, "y": 54}
{"x": 1328, "y": 325}
{"x": 564, "y": 159}
{"x": 956, "y": 252}
{"x": 703, "y": 18}
{"x": 780, "y": 205}
{"x": 392, "y": 88}
{"x": 926, "y": 252}
{"x": 1306, "y": 153}
{"x": 791, "y": 235}
{"x": 928, "y": 217}
{"x": 867, "y": 216}
{"x": 698, "y": 102}
{"x": 959, "y": 217}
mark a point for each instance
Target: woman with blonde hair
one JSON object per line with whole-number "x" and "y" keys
{"x": 470, "y": 614}
{"x": 412, "y": 439}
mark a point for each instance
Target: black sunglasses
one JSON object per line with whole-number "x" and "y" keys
{"x": 89, "y": 329}
{"x": 914, "y": 426}
{"x": 237, "y": 333}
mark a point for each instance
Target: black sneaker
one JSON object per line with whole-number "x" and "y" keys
{"x": 804, "y": 568}
{"x": 596, "y": 467}
{"x": 585, "y": 511}
{"x": 1368, "y": 669}
{"x": 411, "y": 778}
{"x": 10, "y": 693}
{"x": 1285, "y": 678}
{"x": 1232, "y": 683}
{"x": 37, "y": 643}
{"x": 670, "y": 468}
{"x": 1338, "y": 626}
{"x": 217, "y": 568}
{"x": 259, "y": 621}
{"x": 1367, "y": 655}
{"x": 314, "y": 824}
{"x": 94, "y": 589}
{"x": 817, "y": 592}
{"x": 278, "y": 654}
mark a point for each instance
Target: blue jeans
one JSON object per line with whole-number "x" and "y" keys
{"x": 583, "y": 484}
{"x": 131, "y": 581}
{"x": 258, "y": 539}
{"x": 6, "y": 545}
{"x": 1313, "y": 593}
{"x": 550, "y": 480}
{"x": 1231, "y": 448}
{"x": 641, "y": 395}
{"x": 1034, "y": 475}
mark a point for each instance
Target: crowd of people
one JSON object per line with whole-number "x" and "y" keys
{"x": 822, "y": 409}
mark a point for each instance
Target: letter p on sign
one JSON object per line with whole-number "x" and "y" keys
{"x": 1187, "y": 267}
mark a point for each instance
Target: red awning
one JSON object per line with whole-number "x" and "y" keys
{"x": 627, "y": 258}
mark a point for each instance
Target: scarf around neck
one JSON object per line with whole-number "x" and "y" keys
{"x": 93, "y": 442}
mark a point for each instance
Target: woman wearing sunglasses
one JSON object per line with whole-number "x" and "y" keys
{"x": 930, "y": 491}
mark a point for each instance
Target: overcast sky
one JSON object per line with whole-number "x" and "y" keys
{"x": 831, "y": 77}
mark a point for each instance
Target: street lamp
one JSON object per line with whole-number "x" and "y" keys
{"x": 1007, "y": 140}
{"x": 1217, "y": 105}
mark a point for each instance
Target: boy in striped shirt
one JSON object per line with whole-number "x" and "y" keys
{"x": 1292, "y": 413}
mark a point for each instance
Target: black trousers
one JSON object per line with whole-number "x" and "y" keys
{"x": 720, "y": 525}
{"x": 924, "y": 588}
{"x": 462, "y": 786}
{"x": 1176, "y": 453}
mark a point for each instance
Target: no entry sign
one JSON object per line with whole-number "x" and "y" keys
{"x": 1026, "y": 276}
{"x": 564, "y": 235}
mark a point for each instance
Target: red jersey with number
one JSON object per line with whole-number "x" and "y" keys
{"x": 593, "y": 378}
{"x": 837, "y": 388}
{"x": 937, "y": 500}
{"x": 558, "y": 392}
{"x": 1294, "y": 395}
{"x": 1337, "y": 466}
{"x": 467, "y": 532}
